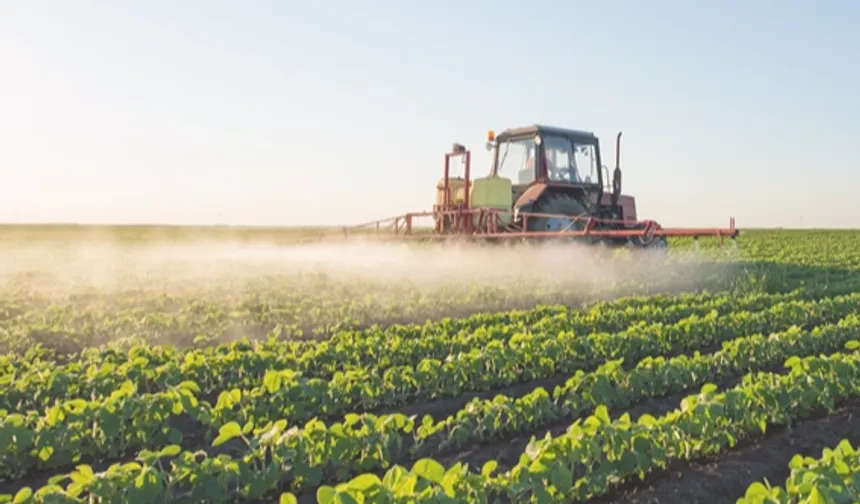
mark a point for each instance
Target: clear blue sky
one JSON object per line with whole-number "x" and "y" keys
{"x": 323, "y": 112}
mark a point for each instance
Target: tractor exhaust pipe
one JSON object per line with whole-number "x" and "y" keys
{"x": 616, "y": 174}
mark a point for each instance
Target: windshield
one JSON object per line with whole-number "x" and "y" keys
{"x": 513, "y": 162}
{"x": 566, "y": 161}
{"x": 585, "y": 162}
{"x": 570, "y": 162}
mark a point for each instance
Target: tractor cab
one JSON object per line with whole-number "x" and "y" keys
{"x": 544, "y": 158}
{"x": 541, "y": 153}
{"x": 537, "y": 171}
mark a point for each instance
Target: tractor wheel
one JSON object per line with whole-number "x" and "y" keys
{"x": 562, "y": 204}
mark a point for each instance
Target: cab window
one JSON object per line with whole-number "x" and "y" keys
{"x": 513, "y": 161}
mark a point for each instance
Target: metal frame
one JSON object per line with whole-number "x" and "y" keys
{"x": 488, "y": 227}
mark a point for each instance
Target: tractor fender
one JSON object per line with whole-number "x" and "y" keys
{"x": 536, "y": 191}
{"x": 531, "y": 195}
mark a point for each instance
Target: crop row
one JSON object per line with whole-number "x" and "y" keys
{"x": 286, "y": 394}
{"x": 614, "y": 387}
{"x": 124, "y": 420}
{"x": 236, "y": 365}
{"x": 178, "y": 307}
{"x": 322, "y": 359}
{"x": 832, "y": 478}
{"x": 496, "y": 363}
{"x": 597, "y": 454}
{"x": 38, "y": 358}
{"x": 164, "y": 308}
{"x": 592, "y": 456}
{"x": 369, "y": 442}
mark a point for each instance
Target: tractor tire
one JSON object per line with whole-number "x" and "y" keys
{"x": 562, "y": 204}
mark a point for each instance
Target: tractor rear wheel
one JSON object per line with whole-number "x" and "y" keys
{"x": 562, "y": 204}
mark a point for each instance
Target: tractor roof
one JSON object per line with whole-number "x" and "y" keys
{"x": 535, "y": 129}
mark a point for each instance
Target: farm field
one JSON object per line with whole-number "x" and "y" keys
{"x": 148, "y": 365}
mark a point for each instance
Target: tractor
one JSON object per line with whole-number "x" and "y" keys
{"x": 545, "y": 179}
{"x": 545, "y": 183}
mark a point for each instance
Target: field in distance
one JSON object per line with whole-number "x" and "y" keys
{"x": 168, "y": 364}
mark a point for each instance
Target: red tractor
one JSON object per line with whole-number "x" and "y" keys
{"x": 544, "y": 183}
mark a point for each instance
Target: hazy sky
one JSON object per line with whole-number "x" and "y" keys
{"x": 322, "y": 112}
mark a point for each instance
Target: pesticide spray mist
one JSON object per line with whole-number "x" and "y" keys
{"x": 313, "y": 288}
{"x": 113, "y": 266}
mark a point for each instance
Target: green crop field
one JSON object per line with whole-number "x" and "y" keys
{"x": 149, "y": 365}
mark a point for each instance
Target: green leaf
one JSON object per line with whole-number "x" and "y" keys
{"x": 22, "y": 495}
{"x": 148, "y": 483}
{"x": 325, "y": 494}
{"x": 602, "y": 413}
{"x": 816, "y": 497}
{"x": 14, "y": 420}
{"x": 488, "y": 468}
{"x": 757, "y": 489}
{"x": 45, "y": 453}
{"x": 344, "y": 498}
{"x": 429, "y": 469}
{"x": 538, "y": 468}
{"x": 708, "y": 388}
{"x": 58, "y": 479}
{"x": 561, "y": 478}
{"x": 393, "y": 476}
{"x": 792, "y": 361}
{"x": 647, "y": 420}
{"x": 190, "y": 386}
{"x": 364, "y": 482}
{"x": 288, "y": 498}
{"x": 841, "y": 468}
{"x": 83, "y": 474}
{"x": 543, "y": 496}
{"x": 272, "y": 381}
{"x": 170, "y": 451}
{"x": 227, "y": 432}
{"x": 796, "y": 462}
